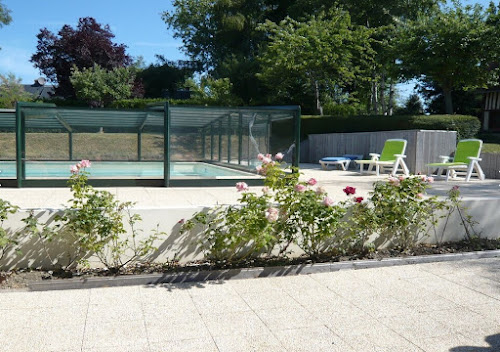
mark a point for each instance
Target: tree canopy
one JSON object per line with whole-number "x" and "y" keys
{"x": 82, "y": 47}
{"x": 319, "y": 52}
{"x": 165, "y": 77}
{"x": 99, "y": 87}
{"x": 449, "y": 48}
{"x": 5, "y": 17}
{"x": 12, "y": 91}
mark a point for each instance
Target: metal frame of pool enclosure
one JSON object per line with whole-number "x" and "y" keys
{"x": 163, "y": 136}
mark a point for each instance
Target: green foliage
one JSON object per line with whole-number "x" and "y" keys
{"x": 402, "y": 213}
{"x": 323, "y": 47}
{"x": 94, "y": 223}
{"x": 412, "y": 106}
{"x": 99, "y": 87}
{"x": 212, "y": 91}
{"x": 5, "y": 17}
{"x": 7, "y": 238}
{"x": 466, "y": 126}
{"x": 450, "y": 47}
{"x": 12, "y": 91}
{"x": 163, "y": 79}
{"x": 289, "y": 211}
{"x": 137, "y": 103}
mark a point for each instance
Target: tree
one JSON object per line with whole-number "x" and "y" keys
{"x": 165, "y": 76}
{"x": 12, "y": 91}
{"x": 320, "y": 53}
{"x": 89, "y": 44}
{"x": 448, "y": 49}
{"x": 5, "y": 17}
{"x": 99, "y": 87}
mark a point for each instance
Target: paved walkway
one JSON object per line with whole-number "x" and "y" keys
{"x": 428, "y": 307}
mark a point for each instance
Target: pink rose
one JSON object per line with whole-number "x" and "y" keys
{"x": 327, "y": 201}
{"x": 85, "y": 163}
{"x": 358, "y": 199}
{"x": 269, "y": 156}
{"x": 241, "y": 186}
{"x": 272, "y": 214}
{"x": 394, "y": 181}
{"x": 312, "y": 182}
{"x": 266, "y": 160}
{"x": 260, "y": 156}
{"x": 320, "y": 190}
{"x": 430, "y": 179}
{"x": 300, "y": 188}
{"x": 279, "y": 156}
{"x": 74, "y": 169}
{"x": 420, "y": 195}
{"x": 349, "y": 190}
{"x": 401, "y": 178}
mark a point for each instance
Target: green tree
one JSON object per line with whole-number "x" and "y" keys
{"x": 448, "y": 49}
{"x": 12, "y": 91}
{"x": 320, "y": 53}
{"x": 5, "y": 17}
{"x": 165, "y": 76}
{"x": 99, "y": 87}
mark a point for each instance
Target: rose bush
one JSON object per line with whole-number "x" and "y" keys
{"x": 289, "y": 211}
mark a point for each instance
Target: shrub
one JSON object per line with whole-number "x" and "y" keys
{"x": 290, "y": 211}
{"x": 466, "y": 126}
{"x": 7, "y": 238}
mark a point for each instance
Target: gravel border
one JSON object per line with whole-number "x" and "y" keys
{"x": 247, "y": 273}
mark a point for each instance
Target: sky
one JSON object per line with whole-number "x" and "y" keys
{"x": 137, "y": 24}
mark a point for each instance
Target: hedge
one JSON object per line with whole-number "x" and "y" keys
{"x": 466, "y": 126}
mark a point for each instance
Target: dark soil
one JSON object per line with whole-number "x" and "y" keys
{"x": 19, "y": 279}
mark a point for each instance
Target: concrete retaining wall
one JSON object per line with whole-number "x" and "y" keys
{"x": 186, "y": 247}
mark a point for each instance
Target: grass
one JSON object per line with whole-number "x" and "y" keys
{"x": 121, "y": 146}
{"x": 493, "y": 148}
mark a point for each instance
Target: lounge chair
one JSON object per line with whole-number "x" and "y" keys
{"x": 466, "y": 161}
{"x": 391, "y": 157}
{"x": 342, "y": 161}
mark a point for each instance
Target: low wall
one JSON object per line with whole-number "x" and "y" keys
{"x": 424, "y": 146}
{"x": 186, "y": 247}
{"x": 491, "y": 165}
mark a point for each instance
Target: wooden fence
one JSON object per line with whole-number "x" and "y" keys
{"x": 491, "y": 165}
{"x": 424, "y": 146}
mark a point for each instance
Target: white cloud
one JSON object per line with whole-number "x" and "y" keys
{"x": 16, "y": 60}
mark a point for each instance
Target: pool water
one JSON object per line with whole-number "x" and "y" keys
{"x": 119, "y": 169}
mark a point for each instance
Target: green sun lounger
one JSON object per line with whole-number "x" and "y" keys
{"x": 466, "y": 161}
{"x": 391, "y": 158}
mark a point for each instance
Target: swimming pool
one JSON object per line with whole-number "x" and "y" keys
{"x": 122, "y": 169}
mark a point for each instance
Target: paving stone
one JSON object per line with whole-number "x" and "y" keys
{"x": 181, "y": 327}
{"x": 269, "y": 300}
{"x": 286, "y": 318}
{"x": 259, "y": 343}
{"x": 308, "y": 339}
{"x": 191, "y": 345}
{"x": 115, "y": 334}
{"x": 235, "y": 324}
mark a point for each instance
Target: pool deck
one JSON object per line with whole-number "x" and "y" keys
{"x": 156, "y": 197}
{"x": 435, "y": 307}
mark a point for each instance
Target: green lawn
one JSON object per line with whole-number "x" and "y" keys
{"x": 491, "y": 148}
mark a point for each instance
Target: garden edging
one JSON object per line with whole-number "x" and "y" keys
{"x": 248, "y": 273}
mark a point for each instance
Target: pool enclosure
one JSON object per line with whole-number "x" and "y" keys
{"x": 162, "y": 145}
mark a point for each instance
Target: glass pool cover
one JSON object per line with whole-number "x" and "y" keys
{"x": 161, "y": 145}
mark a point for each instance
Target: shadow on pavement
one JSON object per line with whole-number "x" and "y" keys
{"x": 492, "y": 340}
